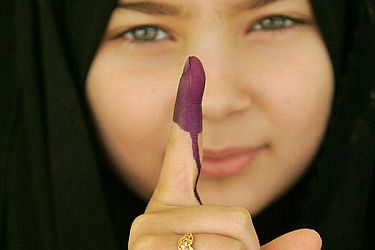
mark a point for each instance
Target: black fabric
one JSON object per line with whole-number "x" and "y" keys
{"x": 336, "y": 193}
{"x": 57, "y": 190}
{"x": 51, "y": 191}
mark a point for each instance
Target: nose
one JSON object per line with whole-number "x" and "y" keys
{"x": 224, "y": 94}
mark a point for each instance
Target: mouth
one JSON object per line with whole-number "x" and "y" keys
{"x": 228, "y": 161}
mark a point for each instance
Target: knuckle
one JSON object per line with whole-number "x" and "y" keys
{"x": 141, "y": 225}
{"x": 141, "y": 221}
{"x": 141, "y": 232}
{"x": 238, "y": 245}
{"x": 142, "y": 243}
{"x": 242, "y": 218}
{"x": 138, "y": 222}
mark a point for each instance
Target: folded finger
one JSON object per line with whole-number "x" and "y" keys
{"x": 232, "y": 222}
{"x": 200, "y": 241}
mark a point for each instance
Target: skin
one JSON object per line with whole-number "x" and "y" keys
{"x": 188, "y": 107}
{"x": 264, "y": 89}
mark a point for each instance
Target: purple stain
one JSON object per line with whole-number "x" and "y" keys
{"x": 188, "y": 106}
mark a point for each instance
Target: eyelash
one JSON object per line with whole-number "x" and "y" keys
{"x": 142, "y": 29}
{"x": 284, "y": 23}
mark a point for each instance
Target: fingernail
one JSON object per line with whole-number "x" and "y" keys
{"x": 187, "y": 65}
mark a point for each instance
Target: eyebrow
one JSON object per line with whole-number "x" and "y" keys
{"x": 260, "y": 3}
{"x": 153, "y": 8}
{"x": 165, "y": 9}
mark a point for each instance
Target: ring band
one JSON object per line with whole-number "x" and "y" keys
{"x": 185, "y": 242}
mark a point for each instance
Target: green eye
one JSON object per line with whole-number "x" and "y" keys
{"x": 144, "y": 34}
{"x": 274, "y": 23}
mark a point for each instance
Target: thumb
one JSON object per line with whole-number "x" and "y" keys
{"x": 303, "y": 239}
{"x": 181, "y": 166}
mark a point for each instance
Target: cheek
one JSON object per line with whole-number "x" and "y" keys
{"x": 301, "y": 95}
{"x": 300, "y": 110}
{"x": 133, "y": 112}
{"x": 294, "y": 90}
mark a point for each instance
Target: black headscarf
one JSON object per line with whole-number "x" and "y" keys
{"x": 57, "y": 190}
{"x": 337, "y": 193}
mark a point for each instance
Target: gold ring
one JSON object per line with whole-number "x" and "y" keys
{"x": 185, "y": 242}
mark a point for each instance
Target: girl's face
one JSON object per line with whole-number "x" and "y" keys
{"x": 268, "y": 92}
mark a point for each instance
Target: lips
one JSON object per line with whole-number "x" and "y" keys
{"x": 229, "y": 161}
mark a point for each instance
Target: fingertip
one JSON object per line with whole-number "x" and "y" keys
{"x": 306, "y": 239}
{"x": 312, "y": 238}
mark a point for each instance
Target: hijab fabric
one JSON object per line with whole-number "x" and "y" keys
{"x": 56, "y": 189}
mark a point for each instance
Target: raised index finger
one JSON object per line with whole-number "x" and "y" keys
{"x": 181, "y": 166}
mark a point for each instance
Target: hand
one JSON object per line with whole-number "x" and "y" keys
{"x": 174, "y": 209}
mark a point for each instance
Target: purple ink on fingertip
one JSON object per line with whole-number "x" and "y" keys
{"x": 188, "y": 107}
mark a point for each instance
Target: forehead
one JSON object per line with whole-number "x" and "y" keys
{"x": 180, "y": 8}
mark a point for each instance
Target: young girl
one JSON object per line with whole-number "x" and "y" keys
{"x": 93, "y": 156}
